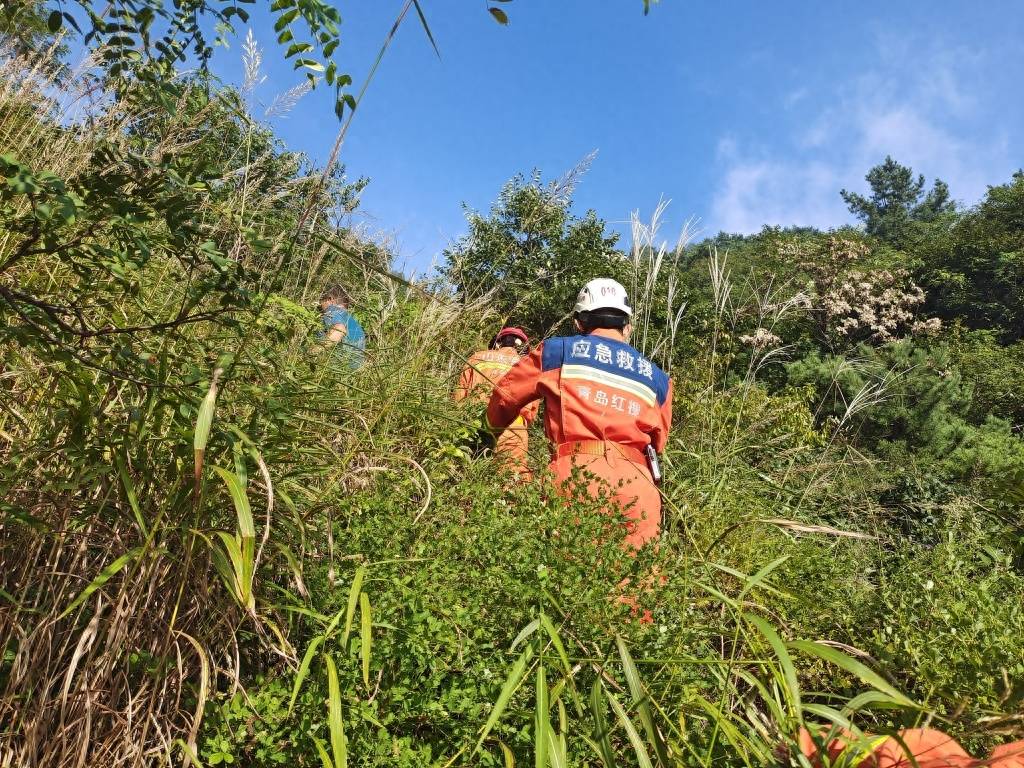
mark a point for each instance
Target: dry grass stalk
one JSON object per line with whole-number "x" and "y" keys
{"x": 111, "y": 628}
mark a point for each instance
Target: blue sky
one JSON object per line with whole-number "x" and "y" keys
{"x": 740, "y": 113}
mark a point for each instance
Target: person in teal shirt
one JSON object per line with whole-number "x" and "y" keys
{"x": 341, "y": 328}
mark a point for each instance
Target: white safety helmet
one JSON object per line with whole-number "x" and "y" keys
{"x": 603, "y": 293}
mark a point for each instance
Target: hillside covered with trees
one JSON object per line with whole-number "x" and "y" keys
{"x": 220, "y": 544}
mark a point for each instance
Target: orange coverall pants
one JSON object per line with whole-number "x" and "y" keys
{"x": 619, "y": 473}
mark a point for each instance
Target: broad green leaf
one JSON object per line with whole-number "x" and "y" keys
{"x": 339, "y": 742}
{"x": 524, "y": 633}
{"x": 295, "y": 48}
{"x": 224, "y": 568}
{"x": 365, "y": 635}
{"x": 285, "y": 19}
{"x": 516, "y": 675}
{"x": 556, "y": 750}
{"x": 245, "y": 566}
{"x": 236, "y": 568}
{"x": 241, "y": 471}
{"x": 204, "y": 422}
{"x": 749, "y": 582}
{"x": 353, "y": 599}
{"x": 785, "y": 662}
{"x": 631, "y": 732}
{"x": 641, "y": 702}
{"x": 325, "y": 759}
{"x": 870, "y": 699}
{"x": 602, "y": 730}
{"x": 507, "y": 756}
{"x": 718, "y": 595}
{"x": 854, "y": 667}
{"x": 556, "y": 641}
{"x": 563, "y": 728}
{"x": 129, "y": 492}
{"x": 333, "y": 624}
{"x": 426, "y": 27}
{"x": 761, "y": 575}
{"x": 541, "y": 726}
{"x": 310, "y": 64}
{"x": 104, "y": 576}
{"x": 300, "y": 676}
{"x": 835, "y": 717}
{"x": 243, "y": 511}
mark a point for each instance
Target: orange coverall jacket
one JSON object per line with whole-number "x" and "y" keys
{"x": 604, "y": 403}
{"x": 485, "y": 369}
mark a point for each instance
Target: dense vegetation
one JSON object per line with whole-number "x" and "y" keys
{"x": 219, "y": 545}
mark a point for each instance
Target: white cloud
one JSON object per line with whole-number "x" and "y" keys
{"x": 795, "y": 96}
{"x": 922, "y": 108}
{"x": 763, "y": 192}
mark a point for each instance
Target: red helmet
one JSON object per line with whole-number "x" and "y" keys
{"x": 516, "y": 333}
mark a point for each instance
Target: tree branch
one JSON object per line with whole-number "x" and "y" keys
{"x": 57, "y": 313}
{"x": 25, "y": 248}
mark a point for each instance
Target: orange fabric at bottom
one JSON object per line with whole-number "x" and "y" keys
{"x": 915, "y": 748}
{"x": 928, "y": 747}
{"x": 628, "y": 482}
{"x": 1008, "y": 755}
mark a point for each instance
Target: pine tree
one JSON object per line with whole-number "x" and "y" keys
{"x": 897, "y": 199}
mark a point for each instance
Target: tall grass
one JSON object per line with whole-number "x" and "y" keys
{"x": 114, "y": 535}
{"x": 655, "y": 281}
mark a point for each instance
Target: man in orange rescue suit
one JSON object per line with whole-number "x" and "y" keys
{"x": 607, "y": 409}
{"x": 484, "y": 370}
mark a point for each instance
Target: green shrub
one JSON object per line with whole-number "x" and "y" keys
{"x": 994, "y": 373}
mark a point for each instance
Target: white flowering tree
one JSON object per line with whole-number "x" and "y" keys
{"x": 852, "y": 301}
